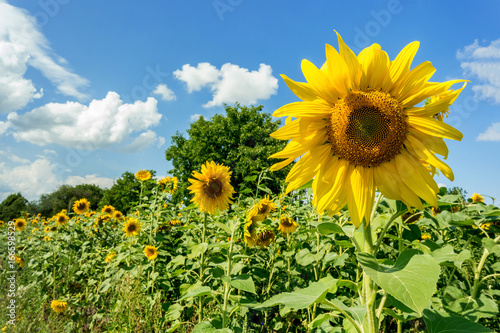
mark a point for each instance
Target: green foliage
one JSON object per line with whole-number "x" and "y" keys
{"x": 12, "y": 207}
{"x": 124, "y": 194}
{"x": 64, "y": 197}
{"x": 239, "y": 139}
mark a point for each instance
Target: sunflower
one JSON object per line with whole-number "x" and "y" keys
{"x": 426, "y": 236}
{"x": 168, "y": 184}
{"x": 249, "y": 233}
{"x": 150, "y": 252}
{"x": 264, "y": 238}
{"x": 174, "y": 222}
{"x": 260, "y": 211}
{"x": 19, "y": 260}
{"x": 359, "y": 128}
{"x": 110, "y": 257}
{"x": 59, "y": 306}
{"x": 132, "y": 227}
{"x": 287, "y": 225}
{"x": 108, "y": 209}
{"x": 1, "y": 223}
{"x": 61, "y": 218}
{"x": 20, "y": 224}
{"x": 117, "y": 214}
{"x": 81, "y": 206}
{"x": 211, "y": 188}
{"x": 143, "y": 175}
{"x": 477, "y": 198}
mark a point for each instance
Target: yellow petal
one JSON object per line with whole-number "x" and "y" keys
{"x": 299, "y": 128}
{"x": 400, "y": 67}
{"x": 304, "y": 109}
{"x": 437, "y": 145}
{"x": 292, "y": 149}
{"x": 434, "y": 127}
{"x": 282, "y": 164}
{"x": 331, "y": 189}
{"x": 352, "y": 63}
{"x": 415, "y": 80}
{"x": 423, "y": 153}
{"x": 410, "y": 173}
{"x": 430, "y": 89}
{"x": 338, "y": 70}
{"x": 305, "y": 169}
{"x": 360, "y": 194}
{"x": 406, "y": 194}
{"x": 319, "y": 82}
{"x": 300, "y": 89}
{"x": 375, "y": 65}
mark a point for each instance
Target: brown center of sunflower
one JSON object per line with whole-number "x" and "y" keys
{"x": 213, "y": 189}
{"x": 367, "y": 128}
{"x": 131, "y": 227}
{"x": 263, "y": 209}
{"x": 62, "y": 219}
{"x": 81, "y": 206}
{"x": 286, "y": 222}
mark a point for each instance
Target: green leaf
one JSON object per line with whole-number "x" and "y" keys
{"x": 491, "y": 246}
{"x": 243, "y": 282}
{"x": 197, "y": 249}
{"x": 300, "y": 298}
{"x": 442, "y": 322}
{"x": 329, "y": 228}
{"x": 319, "y": 320}
{"x": 444, "y": 254}
{"x": 200, "y": 291}
{"x": 357, "y": 313}
{"x": 304, "y": 257}
{"x": 173, "y": 312}
{"x": 223, "y": 227}
{"x": 461, "y": 257}
{"x": 412, "y": 280}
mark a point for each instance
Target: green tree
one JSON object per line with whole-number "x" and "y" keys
{"x": 124, "y": 194}
{"x": 12, "y": 207}
{"x": 239, "y": 139}
{"x": 64, "y": 197}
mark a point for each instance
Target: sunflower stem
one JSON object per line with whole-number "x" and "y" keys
{"x": 202, "y": 268}
{"x": 369, "y": 288}
{"x": 227, "y": 287}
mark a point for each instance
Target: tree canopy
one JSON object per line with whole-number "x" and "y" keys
{"x": 64, "y": 197}
{"x": 12, "y": 207}
{"x": 239, "y": 139}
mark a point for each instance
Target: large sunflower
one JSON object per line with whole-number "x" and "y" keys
{"x": 359, "y": 127}
{"x": 81, "y": 206}
{"x": 211, "y": 188}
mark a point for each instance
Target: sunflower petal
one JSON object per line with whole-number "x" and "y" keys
{"x": 430, "y": 89}
{"x": 400, "y": 67}
{"x": 434, "y": 127}
{"x": 375, "y": 65}
{"x": 406, "y": 194}
{"x": 423, "y": 153}
{"x": 332, "y": 194}
{"x": 360, "y": 194}
{"x": 298, "y": 128}
{"x": 282, "y": 164}
{"x": 319, "y": 82}
{"x": 437, "y": 145}
{"x": 352, "y": 63}
{"x": 338, "y": 70}
{"x": 300, "y": 89}
{"x": 305, "y": 169}
{"x": 415, "y": 80}
{"x": 304, "y": 109}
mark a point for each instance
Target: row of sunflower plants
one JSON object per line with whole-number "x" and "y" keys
{"x": 258, "y": 264}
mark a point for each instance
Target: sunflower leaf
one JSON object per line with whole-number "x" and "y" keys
{"x": 412, "y": 280}
{"x": 442, "y": 322}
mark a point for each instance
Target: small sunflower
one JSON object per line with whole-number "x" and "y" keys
{"x": 143, "y": 175}
{"x": 53, "y": 228}
{"x": 174, "y": 222}
{"x": 264, "y": 238}
{"x": 108, "y": 209}
{"x": 426, "y": 236}
{"x": 132, "y": 227}
{"x": 150, "y": 252}
{"x": 19, "y": 260}
{"x": 81, "y": 206}
{"x": 117, "y": 214}
{"x": 61, "y": 218}
{"x": 249, "y": 233}
{"x": 163, "y": 228}
{"x": 359, "y": 128}
{"x": 168, "y": 184}
{"x": 260, "y": 211}
{"x": 46, "y": 238}
{"x": 110, "y": 257}
{"x": 287, "y": 225}
{"x": 59, "y": 306}
{"x": 211, "y": 188}
{"x": 2, "y": 223}
{"x": 477, "y": 198}
{"x": 20, "y": 224}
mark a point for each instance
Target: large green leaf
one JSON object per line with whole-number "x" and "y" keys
{"x": 412, "y": 280}
{"x": 200, "y": 291}
{"x": 442, "y": 322}
{"x": 329, "y": 228}
{"x": 243, "y": 282}
{"x": 301, "y": 298}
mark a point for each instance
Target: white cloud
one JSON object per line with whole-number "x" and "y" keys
{"x": 14, "y": 158}
{"x": 161, "y": 141}
{"x": 142, "y": 141}
{"x": 194, "y": 117}
{"x": 100, "y": 124}
{"x": 231, "y": 83}
{"x": 483, "y": 63}
{"x": 197, "y": 77}
{"x": 491, "y": 134}
{"x": 165, "y": 93}
{"x": 23, "y": 45}
{"x": 33, "y": 179}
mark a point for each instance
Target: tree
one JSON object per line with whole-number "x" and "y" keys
{"x": 124, "y": 194}
{"x": 240, "y": 139}
{"x": 12, "y": 207}
{"x": 63, "y": 198}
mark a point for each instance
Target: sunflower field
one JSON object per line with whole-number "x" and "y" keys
{"x": 360, "y": 239}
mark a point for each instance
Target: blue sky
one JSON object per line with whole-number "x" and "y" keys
{"x": 91, "y": 89}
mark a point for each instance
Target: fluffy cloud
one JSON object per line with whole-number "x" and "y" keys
{"x": 194, "y": 117}
{"x": 142, "y": 141}
{"x": 100, "y": 124}
{"x": 41, "y": 176}
{"x": 23, "y": 45}
{"x": 491, "y": 134}
{"x": 483, "y": 62}
{"x": 165, "y": 93}
{"x": 231, "y": 83}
